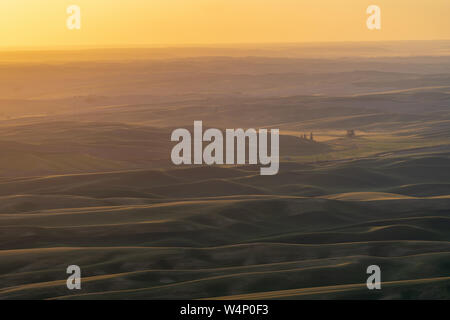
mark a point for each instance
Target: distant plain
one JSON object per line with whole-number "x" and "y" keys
{"x": 86, "y": 177}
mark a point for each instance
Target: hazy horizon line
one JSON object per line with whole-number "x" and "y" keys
{"x": 217, "y": 45}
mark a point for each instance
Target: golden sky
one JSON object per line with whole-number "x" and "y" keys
{"x": 42, "y": 23}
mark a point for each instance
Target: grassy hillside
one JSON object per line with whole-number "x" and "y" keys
{"x": 86, "y": 179}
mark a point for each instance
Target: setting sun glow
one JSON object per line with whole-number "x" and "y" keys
{"x": 25, "y": 23}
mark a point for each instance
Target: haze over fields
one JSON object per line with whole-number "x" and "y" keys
{"x": 86, "y": 177}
